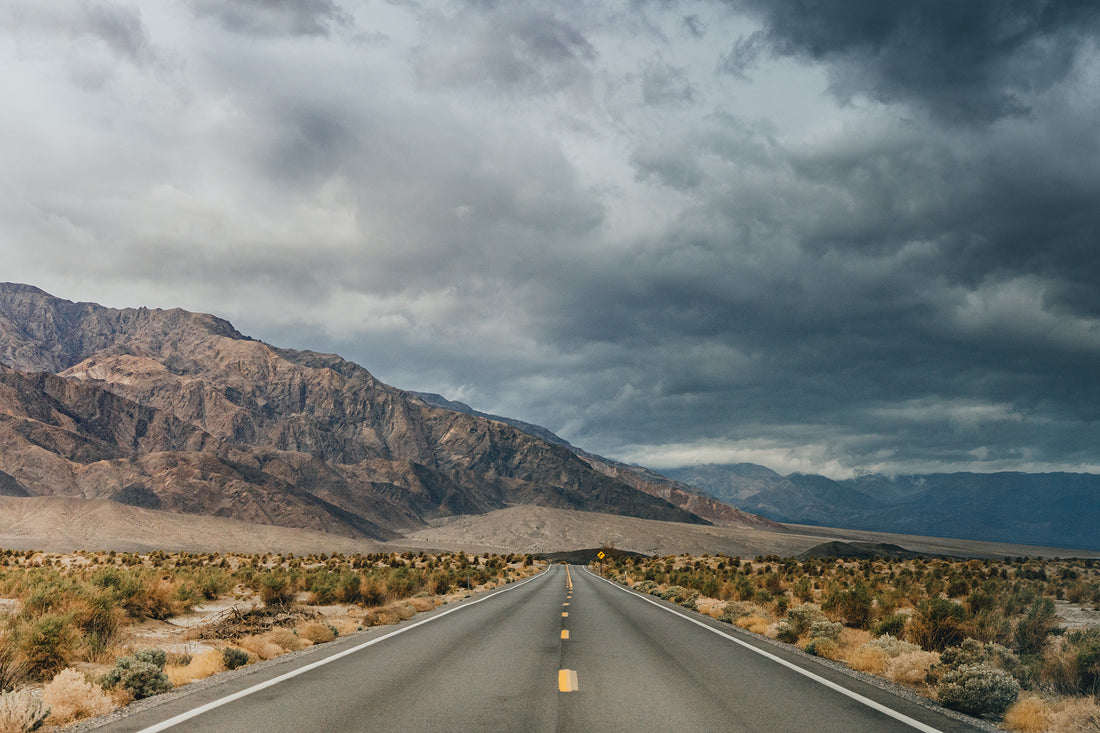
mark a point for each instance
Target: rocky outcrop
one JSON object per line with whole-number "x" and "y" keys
{"x": 179, "y": 411}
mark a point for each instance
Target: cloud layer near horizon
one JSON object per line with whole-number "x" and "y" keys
{"x": 858, "y": 238}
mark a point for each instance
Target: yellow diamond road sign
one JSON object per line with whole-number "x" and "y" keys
{"x": 600, "y": 556}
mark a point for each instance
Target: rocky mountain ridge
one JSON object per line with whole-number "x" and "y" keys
{"x": 180, "y": 411}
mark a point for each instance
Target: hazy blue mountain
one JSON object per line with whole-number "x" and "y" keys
{"x": 1055, "y": 509}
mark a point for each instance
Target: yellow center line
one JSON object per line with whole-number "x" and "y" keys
{"x": 567, "y": 680}
{"x": 565, "y": 604}
{"x": 564, "y": 614}
{"x": 565, "y": 633}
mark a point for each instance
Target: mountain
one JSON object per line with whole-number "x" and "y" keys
{"x": 179, "y": 411}
{"x": 1053, "y": 509}
{"x": 677, "y": 493}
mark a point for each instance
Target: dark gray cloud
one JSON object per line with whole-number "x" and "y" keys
{"x": 273, "y": 18}
{"x": 966, "y": 61}
{"x": 866, "y": 242}
{"x": 514, "y": 47}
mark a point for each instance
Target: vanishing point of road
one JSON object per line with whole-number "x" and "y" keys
{"x": 562, "y": 651}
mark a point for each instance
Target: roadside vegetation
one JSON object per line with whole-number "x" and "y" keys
{"x": 1015, "y": 640}
{"x": 83, "y": 633}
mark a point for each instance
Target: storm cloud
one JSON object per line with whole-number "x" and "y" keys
{"x": 850, "y": 238}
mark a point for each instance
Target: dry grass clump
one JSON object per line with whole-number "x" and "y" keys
{"x": 1030, "y": 715}
{"x": 20, "y": 711}
{"x": 260, "y": 646}
{"x": 1077, "y": 716}
{"x": 911, "y": 667}
{"x": 287, "y": 639}
{"x": 70, "y": 696}
{"x": 317, "y": 633}
{"x": 201, "y": 666}
{"x": 868, "y": 658}
{"x": 422, "y": 604}
{"x": 390, "y": 614}
{"x": 895, "y": 659}
{"x": 755, "y": 624}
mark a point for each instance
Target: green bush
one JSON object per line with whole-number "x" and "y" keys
{"x": 803, "y": 617}
{"x": 47, "y": 644}
{"x": 822, "y": 647}
{"x": 1074, "y": 668}
{"x": 826, "y": 629}
{"x": 977, "y": 689}
{"x": 892, "y": 625}
{"x": 141, "y": 674}
{"x": 233, "y": 657}
{"x": 1033, "y": 629}
{"x": 853, "y": 606}
{"x": 937, "y": 624}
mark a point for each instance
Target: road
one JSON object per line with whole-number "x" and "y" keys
{"x": 502, "y": 662}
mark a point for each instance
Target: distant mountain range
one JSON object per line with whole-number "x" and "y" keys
{"x": 1053, "y": 509}
{"x": 178, "y": 411}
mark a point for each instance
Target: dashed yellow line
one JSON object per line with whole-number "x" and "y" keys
{"x": 567, "y": 680}
{"x": 565, "y": 604}
{"x": 568, "y": 578}
{"x": 565, "y": 614}
{"x": 565, "y": 633}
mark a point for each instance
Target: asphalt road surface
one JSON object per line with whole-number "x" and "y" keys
{"x": 563, "y": 651}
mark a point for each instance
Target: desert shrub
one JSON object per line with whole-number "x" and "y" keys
{"x": 261, "y": 646}
{"x": 875, "y": 655}
{"x": 233, "y": 657}
{"x": 911, "y": 667}
{"x": 991, "y": 626}
{"x": 825, "y": 629}
{"x": 1074, "y": 667}
{"x": 823, "y": 647}
{"x": 275, "y": 588}
{"x": 318, "y": 633}
{"x": 972, "y": 652}
{"x": 47, "y": 644}
{"x": 645, "y": 586}
{"x": 210, "y": 662}
{"x": 892, "y": 625}
{"x": 1032, "y": 630}
{"x": 870, "y": 659}
{"x": 285, "y": 638}
{"x": 785, "y": 632}
{"x": 13, "y": 670}
{"x": 755, "y": 624}
{"x": 212, "y": 582}
{"x": 70, "y": 696}
{"x": 141, "y": 674}
{"x": 893, "y": 646}
{"x": 1077, "y": 716}
{"x": 21, "y": 711}
{"x": 420, "y": 604}
{"x": 853, "y": 606}
{"x": 1030, "y": 715}
{"x": 803, "y": 617}
{"x": 735, "y": 610}
{"x": 349, "y": 588}
{"x": 936, "y": 624}
{"x": 977, "y": 689}
{"x": 373, "y": 591}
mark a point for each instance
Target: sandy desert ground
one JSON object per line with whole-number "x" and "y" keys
{"x": 66, "y": 524}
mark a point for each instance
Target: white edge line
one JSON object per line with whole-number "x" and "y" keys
{"x": 195, "y": 712}
{"x": 790, "y": 665}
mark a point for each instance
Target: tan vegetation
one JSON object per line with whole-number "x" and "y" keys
{"x": 106, "y": 614}
{"x": 970, "y": 634}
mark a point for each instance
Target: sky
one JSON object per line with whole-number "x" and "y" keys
{"x": 844, "y": 237}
